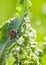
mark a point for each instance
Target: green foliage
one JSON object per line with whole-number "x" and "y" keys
{"x": 5, "y": 41}
{"x": 23, "y": 49}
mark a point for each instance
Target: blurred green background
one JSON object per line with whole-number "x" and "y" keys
{"x": 7, "y": 9}
{"x": 38, "y": 20}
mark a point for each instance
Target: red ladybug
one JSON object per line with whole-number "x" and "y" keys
{"x": 13, "y": 33}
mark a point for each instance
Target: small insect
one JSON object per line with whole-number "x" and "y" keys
{"x": 13, "y": 33}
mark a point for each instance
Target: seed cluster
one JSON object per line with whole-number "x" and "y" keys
{"x": 26, "y": 51}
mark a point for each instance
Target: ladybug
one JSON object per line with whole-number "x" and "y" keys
{"x": 13, "y": 33}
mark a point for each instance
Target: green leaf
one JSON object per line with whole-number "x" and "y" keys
{"x": 6, "y": 42}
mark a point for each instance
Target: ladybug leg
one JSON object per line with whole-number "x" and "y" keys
{"x": 11, "y": 38}
{"x": 17, "y": 31}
